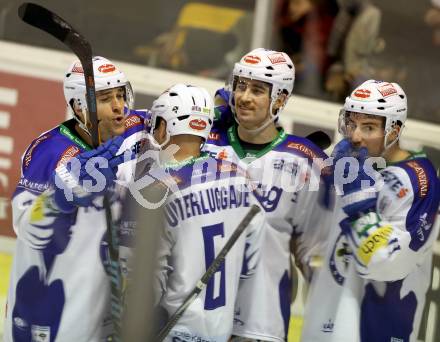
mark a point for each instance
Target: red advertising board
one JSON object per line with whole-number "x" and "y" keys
{"x": 28, "y": 107}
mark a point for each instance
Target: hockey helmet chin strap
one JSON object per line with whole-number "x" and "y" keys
{"x": 77, "y": 118}
{"x": 385, "y": 142}
{"x": 83, "y": 126}
{"x": 156, "y": 144}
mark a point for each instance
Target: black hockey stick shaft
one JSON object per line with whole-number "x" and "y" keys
{"x": 320, "y": 139}
{"x": 201, "y": 284}
{"x": 49, "y": 22}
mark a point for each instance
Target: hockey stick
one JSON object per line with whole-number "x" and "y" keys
{"x": 320, "y": 139}
{"x": 47, "y": 21}
{"x": 201, "y": 284}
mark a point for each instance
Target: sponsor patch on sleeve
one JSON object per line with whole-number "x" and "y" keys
{"x": 132, "y": 120}
{"x": 28, "y": 157}
{"x": 422, "y": 178}
{"x": 68, "y": 154}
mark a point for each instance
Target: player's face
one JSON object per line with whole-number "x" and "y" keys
{"x": 366, "y": 131}
{"x": 110, "y": 107}
{"x": 252, "y": 101}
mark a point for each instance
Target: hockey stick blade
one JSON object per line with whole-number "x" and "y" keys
{"x": 47, "y": 21}
{"x": 320, "y": 139}
{"x": 201, "y": 284}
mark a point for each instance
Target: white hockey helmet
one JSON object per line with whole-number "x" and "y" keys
{"x": 273, "y": 67}
{"x": 186, "y": 109}
{"x": 379, "y": 98}
{"x": 107, "y": 76}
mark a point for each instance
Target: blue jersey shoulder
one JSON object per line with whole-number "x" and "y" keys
{"x": 301, "y": 146}
{"x": 425, "y": 204}
{"x": 136, "y": 121}
{"x": 42, "y": 157}
{"x": 218, "y": 137}
{"x": 423, "y": 176}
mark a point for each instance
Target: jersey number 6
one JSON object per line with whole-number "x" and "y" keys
{"x": 213, "y": 298}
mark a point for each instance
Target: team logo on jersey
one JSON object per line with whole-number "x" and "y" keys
{"x": 277, "y": 58}
{"x": 424, "y": 226}
{"x": 250, "y": 59}
{"x": 106, "y": 68}
{"x": 340, "y": 259}
{"x": 362, "y": 93}
{"x": 387, "y": 90}
{"x": 198, "y": 124}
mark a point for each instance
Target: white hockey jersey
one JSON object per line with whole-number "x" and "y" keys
{"x": 373, "y": 282}
{"x": 289, "y": 191}
{"x": 59, "y": 288}
{"x": 210, "y": 199}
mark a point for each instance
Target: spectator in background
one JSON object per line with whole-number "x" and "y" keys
{"x": 242, "y": 33}
{"x": 353, "y": 40}
{"x": 200, "y": 25}
{"x": 432, "y": 19}
{"x": 304, "y": 33}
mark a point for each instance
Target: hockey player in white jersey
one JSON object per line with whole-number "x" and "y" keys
{"x": 59, "y": 290}
{"x": 279, "y": 165}
{"x": 376, "y": 273}
{"x": 208, "y": 200}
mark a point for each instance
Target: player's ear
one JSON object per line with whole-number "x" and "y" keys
{"x": 279, "y": 102}
{"x": 160, "y": 133}
{"x": 395, "y": 132}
